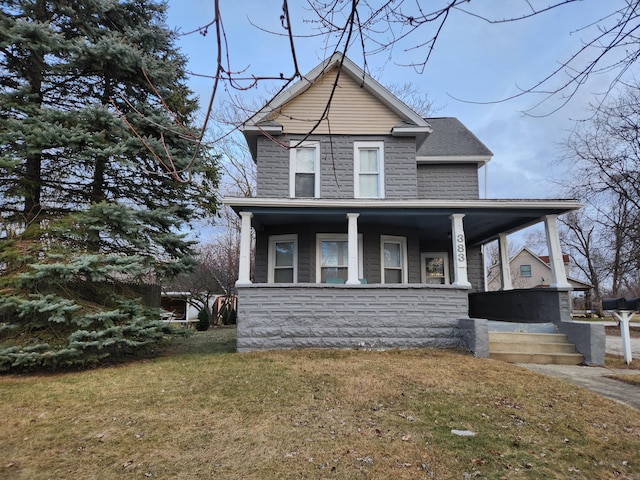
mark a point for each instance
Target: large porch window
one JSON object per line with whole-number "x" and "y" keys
{"x": 332, "y": 257}
{"x": 394, "y": 259}
{"x": 434, "y": 268}
{"x": 283, "y": 259}
{"x": 304, "y": 176}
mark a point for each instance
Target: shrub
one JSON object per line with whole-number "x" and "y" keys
{"x": 203, "y": 320}
{"x": 228, "y": 314}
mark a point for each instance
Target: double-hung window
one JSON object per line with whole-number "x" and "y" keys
{"x": 332, "y": 258}
{"x": 304, "y": 168}
{"x": 368, "y": 169}
{"x": 283, "y": 259}
{"x": 394, "y": 259}
{"x": 435, "y": 268}
{"x": 525, "y": 271}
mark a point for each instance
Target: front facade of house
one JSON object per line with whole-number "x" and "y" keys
{"x": 368, "y": 221}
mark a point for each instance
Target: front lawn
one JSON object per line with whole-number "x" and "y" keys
{"x": 202, "y": 411}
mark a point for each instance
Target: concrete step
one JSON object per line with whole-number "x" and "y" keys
{"x": 497, "y": 326}
{"x": 540, "y": 348}
{"x": 517, "y": 337}
{"x": 531, "y": 347}
{"x": 539, "y": 358}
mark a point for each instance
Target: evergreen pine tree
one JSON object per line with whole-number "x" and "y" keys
{"x": 203, "y": 320}
{"x": 87, "y": 212}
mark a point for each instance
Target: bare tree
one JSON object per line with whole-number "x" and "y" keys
{"x": 411, "y": 95}
{"x": 582, "y": 240}
{"x": 365, "y": 28}
{"x": 604, "y": 152}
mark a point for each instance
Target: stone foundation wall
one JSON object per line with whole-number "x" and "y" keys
{"x": 349, "y": 316}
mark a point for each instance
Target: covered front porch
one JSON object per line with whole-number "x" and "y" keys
{"x": 298, "y": 303}
{"x": 386, "y": 234}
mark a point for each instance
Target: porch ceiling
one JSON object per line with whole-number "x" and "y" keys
{"x": 483, "y": 221}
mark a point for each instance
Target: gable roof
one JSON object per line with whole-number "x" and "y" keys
{"x": 410, "y": 124}
{"x": 540, "y": 258}
{"x": 452, "y": 141}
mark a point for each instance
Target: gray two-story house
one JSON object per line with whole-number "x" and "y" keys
{"x": 368, "y": 222}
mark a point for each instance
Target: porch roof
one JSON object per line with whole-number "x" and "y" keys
{"x": 484, "y": 219}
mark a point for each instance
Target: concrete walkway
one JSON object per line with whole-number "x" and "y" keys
{"x": 594, "y": 378}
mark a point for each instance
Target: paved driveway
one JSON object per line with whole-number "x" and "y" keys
{"x": 614, "y": 345}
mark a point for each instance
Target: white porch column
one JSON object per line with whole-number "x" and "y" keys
{"x": 352, "y": 238}
{"x": 244, "y": 270}
{"x": 558, "y": 274}
{"x": 459, "y": 251}
{"x": 505, "y": 265}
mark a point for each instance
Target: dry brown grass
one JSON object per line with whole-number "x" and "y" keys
{"x": 310, "y": 414}
{"x": 617, "y": 361}
{"x": 632, "y": 379}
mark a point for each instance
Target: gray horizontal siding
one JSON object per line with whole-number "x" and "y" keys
{"x": 336, "y": 166}
{"x": 458, "y": 181}
{"x": 307, "y": 249}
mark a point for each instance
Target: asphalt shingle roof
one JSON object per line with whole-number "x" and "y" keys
{"x": 451, "y": 138}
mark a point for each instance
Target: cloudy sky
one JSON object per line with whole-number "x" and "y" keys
{"x": 473, "y": 63}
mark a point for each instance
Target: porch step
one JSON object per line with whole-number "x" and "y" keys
{"x": 498, "y": 326}
{"x": 541, "y": 348}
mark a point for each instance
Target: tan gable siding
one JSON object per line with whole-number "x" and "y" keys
{"x": 353, "y": 110}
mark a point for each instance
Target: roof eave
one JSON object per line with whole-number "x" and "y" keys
{"x": 419, "y": 132}
{"x": 564, "y": 204}
{"x": 479, "y": 160}
{"x": 251, "y": 133}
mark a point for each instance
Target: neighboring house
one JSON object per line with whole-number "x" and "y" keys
{"x": 182, "y": 307}
{"x": 368, "y": 230}
{"x": 529, "y": 270}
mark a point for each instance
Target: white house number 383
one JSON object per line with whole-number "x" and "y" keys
{"x": 460, "y": 250}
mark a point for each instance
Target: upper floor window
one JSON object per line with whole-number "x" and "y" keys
{"x": 304, "y": 170}
{"x": 368, "y": 169}
{"x": 394, "y": 259}
{"x": 525, "y": 271}
{"x": 283, "y": 259}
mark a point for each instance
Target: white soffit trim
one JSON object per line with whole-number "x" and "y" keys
{"x": 255, "y": 129}
{"x": 567, "y": 204}
{"x": 479, "y": 159}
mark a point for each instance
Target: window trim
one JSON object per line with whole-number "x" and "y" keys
{"x": 357, "y": 146}
{"x": 294, "y": 145}
{"x": 522, "y": 275}
{"x": 320, "y": 237}
{"x": 271, "y": 262}
{"x": 423, "y": 269}
{"x": 405, "y": 262}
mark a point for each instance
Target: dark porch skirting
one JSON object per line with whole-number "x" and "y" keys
{"x": 536, "y": 305}
{"x": 279, "y": 316}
